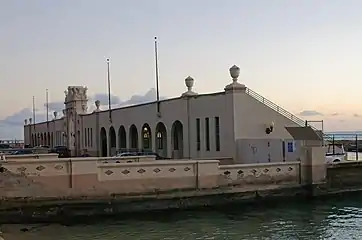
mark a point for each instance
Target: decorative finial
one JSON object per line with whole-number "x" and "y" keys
{"x": 26, "y": 122}
{"x": 55, "y": 114}
{"x": 30, "y": 120}
{"x": 98, "y": 104}
{"x": 234, "y": 73}
{"x": 235, "y": 85}
{"x": 189, "y": 82}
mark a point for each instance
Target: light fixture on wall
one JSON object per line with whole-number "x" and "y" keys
{"x": 269, "y": 128}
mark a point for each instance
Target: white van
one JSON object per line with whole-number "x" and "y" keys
{"x": 336, "y": 153}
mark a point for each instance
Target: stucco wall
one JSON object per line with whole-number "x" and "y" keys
{"x": 242, "y": 119}
{"x": 100, "y": 177}
{"x": 252, "y": 116}
{"x": 254, "y": 174}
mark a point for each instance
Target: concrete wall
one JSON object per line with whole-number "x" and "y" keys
{"x": 345, "y": 176}
{"x": 266, "y": 150}
{"x": 262, "y": 174}
{"x": 102, "y": 177}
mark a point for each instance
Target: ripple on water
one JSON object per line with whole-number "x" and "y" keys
{"x": 335, "y": 219}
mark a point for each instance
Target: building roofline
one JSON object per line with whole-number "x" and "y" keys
{"x": 133, "y": 106}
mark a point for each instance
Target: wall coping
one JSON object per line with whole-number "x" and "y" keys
{"x": 36, "y": 161}
{"x": 259, "y": 165}
{"x": 32, "y": 156}
{"x": 154, "y": 163}
{"x": 120, "y": 158}
{"x": 213, "y": 158}
{"x": 84, "y": 159}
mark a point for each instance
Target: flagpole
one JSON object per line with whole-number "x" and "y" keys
{"x": 47, "y": 111}
{"x": 109, "y": 90}
{"x": 157, "y": 77}
{"x": 47, "y": 103}
{"x": 34, "y": 121}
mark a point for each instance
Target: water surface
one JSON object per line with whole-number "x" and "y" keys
{"x": 335, "y": 218}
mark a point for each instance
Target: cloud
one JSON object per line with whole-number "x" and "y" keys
{"x": 307, "y": 113}
{"x": 103, "y": 98}
{"x": 12, "y": 126}
{"x": 55, "y": 106}
{"x": 356, "y": 115}
{"x": 335, "y": 114}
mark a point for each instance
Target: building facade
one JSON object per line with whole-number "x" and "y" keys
{"x": 236, "y": 123}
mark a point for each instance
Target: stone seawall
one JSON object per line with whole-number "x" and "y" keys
{"x": 45, "y": 189}
{"x": 27, "y": 210}
{"x": 57, "y": 187}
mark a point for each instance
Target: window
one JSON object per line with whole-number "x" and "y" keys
{"x": 88, "y": 137}
{"x": 159, "y": 141}
{"x": 198, "y": 138}
{"x": 85, "y": 137}
{"x": 91, "y": 137}
{"x": 217, "y": 133}
{"x": 146, "y": 138}
{"x": 207, "y": 134}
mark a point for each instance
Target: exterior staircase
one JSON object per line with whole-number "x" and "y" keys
{"x": 285, "y": 113}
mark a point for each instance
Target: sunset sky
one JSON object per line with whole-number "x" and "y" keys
{"x": 305, "y": 55}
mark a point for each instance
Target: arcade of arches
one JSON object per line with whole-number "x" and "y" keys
{"x": 150, "y": 140}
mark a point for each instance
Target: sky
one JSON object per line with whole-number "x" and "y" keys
{"x": 304, "y": 55}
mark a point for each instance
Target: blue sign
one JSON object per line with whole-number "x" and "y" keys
{"x": 290, "y": 147}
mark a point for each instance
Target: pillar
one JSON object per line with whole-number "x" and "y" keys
{"x": 313, "y": 168}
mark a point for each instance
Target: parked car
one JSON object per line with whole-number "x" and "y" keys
{"x": 62, "y": 151}
{"x": 158, "y": 157}
{"x": 141, "y": 153}
{"x": 22, "y": 151}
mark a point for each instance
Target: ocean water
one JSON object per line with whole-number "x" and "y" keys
{"x": 330, "y": 218}
{"x": 345, "y": 135}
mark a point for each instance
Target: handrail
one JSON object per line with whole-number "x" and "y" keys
{"x": 281, "y": 110}
{"x": 275, "y": 107}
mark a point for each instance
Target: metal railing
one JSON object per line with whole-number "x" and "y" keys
{"x": 283, "y": 112}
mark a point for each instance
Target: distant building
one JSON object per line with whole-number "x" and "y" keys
{"x": 235, "y": 123}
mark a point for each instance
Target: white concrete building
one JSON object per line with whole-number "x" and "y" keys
{"x": 236, "y": 123}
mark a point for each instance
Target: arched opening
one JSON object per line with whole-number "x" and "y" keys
{"x": 38, "y": 140}
{"x": 122, "y": 139}
{"x": 112, "y": 141}
{"x": 41, "y": 139}
{"x": 161, "y": 139}
{"x": 177, "y": 140}
{"x": 45, "y": 139}
{"x": 51, "y": 140}
{"x": 103, "y": 142}
{"x": 133, "y": 137}
{"x": 146, "y": 138}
